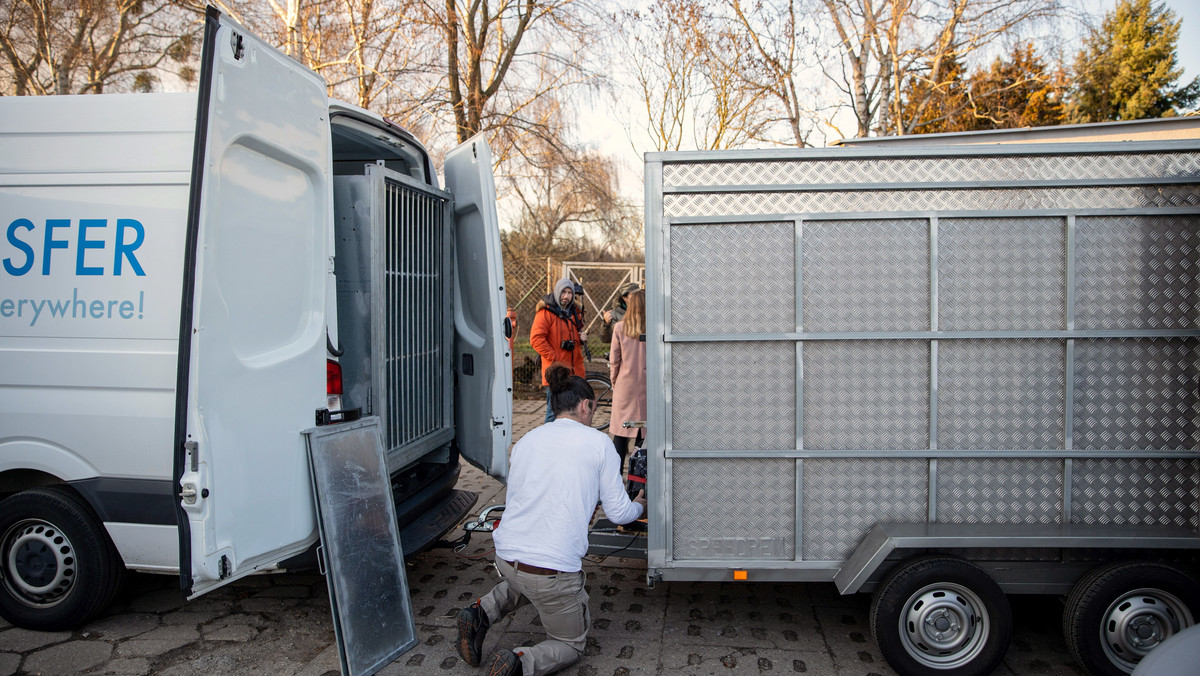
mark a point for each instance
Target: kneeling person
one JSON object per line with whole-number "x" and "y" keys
{"x": 556, "y": 474}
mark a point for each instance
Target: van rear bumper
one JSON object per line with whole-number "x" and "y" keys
{"x": 420, "y": 534}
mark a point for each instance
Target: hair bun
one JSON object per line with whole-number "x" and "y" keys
{"x": 558, "y": 377}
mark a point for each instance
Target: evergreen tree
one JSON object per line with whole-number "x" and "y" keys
{"x": 1128, "y": 67}
{"x": 1018, "y": 92}
{"x": 934, "y": 107}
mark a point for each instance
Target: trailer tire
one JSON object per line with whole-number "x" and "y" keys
{"x": 1120, "y": 611}
{"x": 941, "y": 615}
{"x": 58, "y": 567}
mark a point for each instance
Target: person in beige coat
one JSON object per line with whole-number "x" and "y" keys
{"x": 627, "y": 370}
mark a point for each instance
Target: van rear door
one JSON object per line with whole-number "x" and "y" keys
{"x": 483, "y": 363}
{"x": 252, "y": 330}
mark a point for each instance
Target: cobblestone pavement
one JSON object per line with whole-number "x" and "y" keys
{"x": 280, "y": 624}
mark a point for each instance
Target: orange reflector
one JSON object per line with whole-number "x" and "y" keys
{"x": 741, "y": 575}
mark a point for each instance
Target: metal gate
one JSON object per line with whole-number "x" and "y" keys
{"x": 393, "y": 272}
{"x": 601, "y": 282}
{"x": 845, "y": 337}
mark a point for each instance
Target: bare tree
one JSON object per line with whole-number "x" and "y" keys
{"x": 964, "y": 29}
{"x": 666, "y": 57}
{"x": 693, "y": 73}
{"x": 501, "y": 58}
{"x": 884, "y": 42}
{"x": 370, "y": 52}
{"x": 772, "y": 35}
{"x": 569, "y": 204}
{"x": 858, "y": 24}
{"x": 91, "y": 46}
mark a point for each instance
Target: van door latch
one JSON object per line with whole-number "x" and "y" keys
{"x": 188, "y": 494}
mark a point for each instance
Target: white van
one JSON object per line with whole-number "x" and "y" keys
{"x": 189, "y": 281}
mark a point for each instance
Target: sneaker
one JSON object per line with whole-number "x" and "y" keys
{"x": 472, "y": 627}
{"x": 506, "y": 663}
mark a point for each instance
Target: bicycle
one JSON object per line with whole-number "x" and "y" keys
{"x": 602, "y": 387}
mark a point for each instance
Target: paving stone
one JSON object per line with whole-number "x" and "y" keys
{"x": 9, "y": 662}
{"x": 237, "y": 619}
{"x": 135, "y": 666}
{"x": 23, "y": 640}
{"x": 739, "y": 616}
{"x": 285, "y": 592}
{"x": 846, "y": 631}
{"x": 159, "y": 601}
{"x": 187, "y": 618}
{"x": 210, "y": 603}
{"x": 324, "y": 663}
{"x": 236, "y": 632}
{"x": 117, "y": 627}
{"x": 702, "y": 660}
{"x": 158, "y": 641}
{"x": 68, "y": 658}
{"x": 267, "y": 605}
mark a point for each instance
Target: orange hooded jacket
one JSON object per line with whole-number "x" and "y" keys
{"x": 547, "y": 334}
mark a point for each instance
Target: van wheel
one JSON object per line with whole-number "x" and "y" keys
{"x": 1119, "y": 612}
{"x": 58, "y": 567}
{"x": 941, "y": 615}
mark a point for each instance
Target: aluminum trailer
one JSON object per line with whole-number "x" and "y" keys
{"x": 938, "y": 373}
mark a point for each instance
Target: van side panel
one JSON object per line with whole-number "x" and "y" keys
{"x": 93, "y": 193}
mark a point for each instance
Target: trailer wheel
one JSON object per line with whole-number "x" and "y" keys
{"x": 58, "y": 567}
{"x": 1118, "y": 612}
{"x": 941, "y": 615}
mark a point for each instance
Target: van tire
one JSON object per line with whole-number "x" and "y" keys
{"x": 58, "y": 567}
{"x": 921, "y": 595}
{"x": 1120, "y": 595}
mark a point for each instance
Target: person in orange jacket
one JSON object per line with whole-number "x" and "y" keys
{"x": 557, "y": 334}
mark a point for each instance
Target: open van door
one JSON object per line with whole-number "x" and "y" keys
{"x": 483, "y": 363}
{"x": 252, "y": 330}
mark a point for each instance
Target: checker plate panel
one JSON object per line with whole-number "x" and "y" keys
{"x": 1001, "y": 394}
{"x": 932, "y": 169}
{"x": 1136, "y": 491}
{"x": 1001, "y": 274}
{"x": 866, "y": 275}
{"x": 845, "y": 497}
{"x": 711, "y": 290}
{"x": 1134, "y": 272}
{"x": 891, "y": 201}
{"x": 866, "y": 395}
{"x": 1137, "y": 394}
{"x": 733, "y": 396}
{"x": 760, "y": 524}
{"x": 999, "y": 490}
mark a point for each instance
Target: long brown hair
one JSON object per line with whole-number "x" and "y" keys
{"x": 635, "y": 314}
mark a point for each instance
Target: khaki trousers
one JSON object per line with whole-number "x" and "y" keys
{"x": 562, "y": 606}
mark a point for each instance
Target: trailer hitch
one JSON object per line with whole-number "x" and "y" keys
{"x": 484, "y": 524}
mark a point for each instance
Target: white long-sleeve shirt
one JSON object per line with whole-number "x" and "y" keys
{"x": 556, "y": 474}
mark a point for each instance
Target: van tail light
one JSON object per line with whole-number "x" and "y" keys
{"x": 333, "y": 377}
